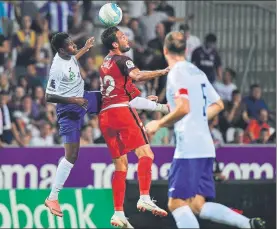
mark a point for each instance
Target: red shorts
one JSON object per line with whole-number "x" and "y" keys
{"x": 122, "y": 129}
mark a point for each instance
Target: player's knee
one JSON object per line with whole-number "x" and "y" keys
{"x": 72, "y": 158}
{"x": 73, "y": 155}
{"x": 121, "y": 164}
{"x": 121, "y": 167}
{"x": 175, "y": 203}
{"x": 197, "y": 204}
{"x": 145, "y": 151}
{"x": 171, "y": 206}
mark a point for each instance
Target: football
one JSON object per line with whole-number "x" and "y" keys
{"x": 110, "y": 14}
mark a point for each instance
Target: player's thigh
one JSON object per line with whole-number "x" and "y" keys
{"x": 174, "y": 203}
{"x": 132, "y": 132}
{"x": 144, "y": 151}
{"x": 110, "y": 133}
{"x": 113, "y": 142}
{"x": 70, "y": 118}
{"x": 206, "y": 187}
{"x": 183, "y": 178}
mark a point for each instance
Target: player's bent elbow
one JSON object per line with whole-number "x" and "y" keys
{"x": 184, "y": 110}
{"x": 137, "y": 77}
{"x": 49, "y": 98}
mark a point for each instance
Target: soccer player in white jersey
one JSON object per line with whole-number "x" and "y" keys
{"x": 193, "y": 101}
{"x": 66, "y": 88}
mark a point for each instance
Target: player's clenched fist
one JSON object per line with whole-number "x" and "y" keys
{"x": 152, "y": 127}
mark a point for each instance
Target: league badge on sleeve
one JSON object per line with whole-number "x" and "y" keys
{"x": 130, "y": 64}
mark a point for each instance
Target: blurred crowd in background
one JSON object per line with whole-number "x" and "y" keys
{"x": 26, "y": 28}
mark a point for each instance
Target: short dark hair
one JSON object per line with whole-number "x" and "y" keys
{"x": 25, "y": 97}
{"x": 175, "y": 42}
{"x": 231, "y": 71}
{"x": 254, "y": 86}
{"x": 235, "y": 92}
{"x": 58, "y": 40}
{"x": 211, "y": 38}
{"x": 131, "y": 21}
{"x": 109, "y": 36}
{"x": 184, "y": 27}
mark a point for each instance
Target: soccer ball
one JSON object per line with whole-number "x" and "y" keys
{"x": 110, "y": 14}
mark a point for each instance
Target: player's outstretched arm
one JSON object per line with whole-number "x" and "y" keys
{"x": 86, "y": 48}
{"x": 182, "y": 108}
{"x": 50, "y": 98}
{"x": 214, "y": 109}
{"x": 138, "y": 75}
{"x": 149, "y": 104}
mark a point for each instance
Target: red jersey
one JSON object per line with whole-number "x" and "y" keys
{"x": 116, "y": 84}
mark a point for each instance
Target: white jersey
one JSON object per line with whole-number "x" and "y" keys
{"x": 65, "y": 78}
{"x": 193, "y": 137}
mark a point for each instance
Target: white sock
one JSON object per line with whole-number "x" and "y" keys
{"x": 143, "y": 104}
{"x": 145, "y": 197}
{"x": 185, "y": 218}
{"x": 62, "y": 174}
{"x": 120, "y": 214}
{"x": 221, "y": 214}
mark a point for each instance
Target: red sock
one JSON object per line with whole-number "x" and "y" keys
{"x": 119, "y": 186}
{"x": 144, "y": 175}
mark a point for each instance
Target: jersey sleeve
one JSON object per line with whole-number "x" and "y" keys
{"x": 126, "y": 65}
{"x": 212, "y": 95}
{"x": 180, "y": 87}
{"x": 54, "y": 81}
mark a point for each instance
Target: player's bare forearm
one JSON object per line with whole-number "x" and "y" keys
{"x": 138, "y": 75}
{"x": 171, "y": 118}
{"x": 214, "y": 109}
{"x": 81, "y": 52}
{"x": 67, "y": 100}
{"x": 59, "y": 99}
{"x": 182, "y": 109}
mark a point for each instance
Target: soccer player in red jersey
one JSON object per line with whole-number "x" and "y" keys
{"x": 120, "y": 125}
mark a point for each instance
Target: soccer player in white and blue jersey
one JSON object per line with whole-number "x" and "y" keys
{"x": 193, "y": 101}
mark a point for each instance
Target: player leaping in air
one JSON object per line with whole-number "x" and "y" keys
{"x": 191, "y": 174}
{"x": 66, "y": 88}
{"x": 120, "y": 125}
